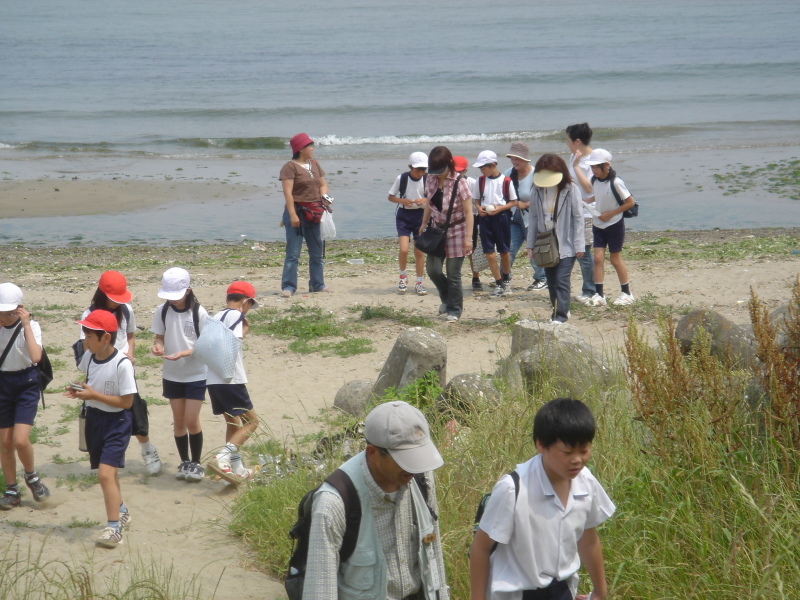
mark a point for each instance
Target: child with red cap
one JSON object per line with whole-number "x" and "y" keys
{"x": 230, "y": 398}
{"x": 112, "y": 294}
{"x": 107, "y": 393}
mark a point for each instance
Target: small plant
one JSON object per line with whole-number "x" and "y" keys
{"x": 152, "y": 401}
{"x": 389, "y": 313}
{"x": 72, "y": 481}
{"x": 70, "y": 412}
{"x": 76, "y": 523}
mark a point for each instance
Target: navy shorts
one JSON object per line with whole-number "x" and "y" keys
{"x": 19, "y": 397}
{"x": 612, "y": 236}
{"x": 229, "y": 399}
{"x": 495, "y": 231}
{"x": 193, "y": 390}
{"x": 408, "y": 221}
{"x": 107, "y": 436}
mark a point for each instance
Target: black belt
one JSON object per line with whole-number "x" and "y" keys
{"x": 554, "y": 591}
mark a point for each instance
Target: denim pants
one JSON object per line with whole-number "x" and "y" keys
{"x": 294, "y": 243}
{"x": 448, "y": 285}
{"x": 558, "y": 284}
{"x": 587, "y": 272}
{"x": 519, "y": 236}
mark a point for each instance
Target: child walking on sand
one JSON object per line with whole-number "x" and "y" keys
{"x": 108, "y": 391}
{"x": 231, "y": 398}
{"x": 540, "y": 521}
{"x": 21, "y": 343}
{"x": 112, "y": 294}
{"x": 177, "y": 324}
{"x": 408, "y": 192}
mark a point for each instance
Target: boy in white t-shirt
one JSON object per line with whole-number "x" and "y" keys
{"x": 107, "y": 393}
{"x": 535, "y": 532}
{"x": 494, "y": 196}
{"x": 408, "y": 192}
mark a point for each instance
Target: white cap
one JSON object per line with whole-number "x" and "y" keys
{"x": 418, "y": 160}
{"x": 486, "y": 157}
{"x": 174, "y": 284}
{"x": 598, "y": 157}
{"x": 403, "y": 431}
{"x": 10, "y": 296}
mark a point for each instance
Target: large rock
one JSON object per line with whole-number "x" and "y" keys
{"x": 417, "y": 351}
{"x": 470, "y": 392}
{"x": 730, "y": 343}
{"x": 527, "y": 335}
{"x": 353, "y": 396}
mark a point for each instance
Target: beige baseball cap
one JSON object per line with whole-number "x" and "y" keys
{"x": 403, "y": 431}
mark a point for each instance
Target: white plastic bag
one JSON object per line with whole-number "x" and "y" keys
{"x": 326, "y": 227}
{"x": 218, "y": 348}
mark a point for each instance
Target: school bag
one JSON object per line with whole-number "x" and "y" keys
{"x": 485, "y": 500}
{"x": 506, "y": 187}
{"x": 300, "y": 531}
{"x": 404, "y": 183}
{"x": 43, "y": 368}
{"x": 632, "y": 211}
{"x": 195, "y": 316}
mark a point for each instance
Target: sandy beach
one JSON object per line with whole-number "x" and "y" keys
{"x": 183, "y": 525}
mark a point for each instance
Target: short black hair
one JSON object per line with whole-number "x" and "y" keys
{"x": 99, "y": 334}
{"x": 580, "y": 131}
{"x": 564, "y": 419}
{"x": 237, "y": 297}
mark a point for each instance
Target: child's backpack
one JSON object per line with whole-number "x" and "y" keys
{"x": 401, "y": 192}
{"x": 631, "y": 212}
{"x": 506, "y": 187}
{"x": 485, "y": 500}
{"x": 352, "y": 513}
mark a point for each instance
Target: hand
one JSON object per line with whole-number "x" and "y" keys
{"x": 577, "y": 160}
{"x": 606, "y": 215}
{"x": 482, "y": 211}
{"x": 23, "y": 314}
{"x": 530, "y": 254}
{"x": 468, "y": 247}
{"x": 175, "y": 355}
{"x": 421, "y": 201}
{"x": 295, "y": 220}
{"x": 407, "y": 202}
{"x": 523, "y": 205}
{"x": 157, "y": 350}
{"x": 87, "y": 393}
{"x": 421, "y": 229}
{"x": 131, "y": 358}
{"x": 579, "y": 254}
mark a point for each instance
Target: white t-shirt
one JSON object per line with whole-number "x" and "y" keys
{"x": 112, "y": 377}
{"x": 587, "y": 172}
{"x": 604, "y": 200}
{"x": 493, "y": 191}
{"x": 126, "y": 326}
{"x": 537, "y": 535}
{"x": 414, "y": 190}
{"x": 179, "y": 334}
{"x": 18, "y": 357}
{"x": 471, "y": 182}
{"x": 229, "y": 316}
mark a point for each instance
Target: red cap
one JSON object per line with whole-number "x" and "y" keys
{"x": 244, "y": 288}
{"x": 114, "y": 285}
{"x": 300, "y": 141}
{"x": 100, "y": 320}
{"x": 460, "y": 163}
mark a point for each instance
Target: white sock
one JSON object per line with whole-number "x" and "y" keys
{"x": 419, "y": 279}
{"x": 146, "y": 447}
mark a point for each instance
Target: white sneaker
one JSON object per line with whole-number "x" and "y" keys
{"x": 151, "y": 461}
{"x": 451, "y": 318}
{"x": 624, "y": 299}
{"x": 585, "y": 300}
{"x": 598, "y": 300}
{"x": 497, "y": 292}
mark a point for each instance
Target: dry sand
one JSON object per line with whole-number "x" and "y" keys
{"x": 184, "y": 524}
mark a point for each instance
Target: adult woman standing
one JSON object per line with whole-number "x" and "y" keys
{"x": 443, "y": 188}
{"x": 556, "y": 205}
{"x": 306, "y": 194}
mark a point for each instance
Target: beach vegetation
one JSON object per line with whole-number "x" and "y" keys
{"x": 153, "y": 401}
{"x": 781, "y": 178}
{"x": 389, "y": 313}
{"x": 70, "y": 412}
{"x": 71, "y": 481}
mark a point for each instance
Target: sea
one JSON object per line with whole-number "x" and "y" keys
{"x": 682, "y": 93}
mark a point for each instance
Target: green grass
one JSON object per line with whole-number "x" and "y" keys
{"x": 151, "y": 401}
{"x": 76, "y": 523}
{"x": 70, "y": 412}
{"x": 388, "y": 313}
{"x": 742, "y": 248}
{"x": 141, "y": 352}
{"x": 82, "y": 482}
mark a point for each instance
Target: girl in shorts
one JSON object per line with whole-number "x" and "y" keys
{"x": 177, "y": 324}
{"x": 112, "y": 294}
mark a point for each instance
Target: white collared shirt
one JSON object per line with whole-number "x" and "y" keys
{"x": 538, "y": 536}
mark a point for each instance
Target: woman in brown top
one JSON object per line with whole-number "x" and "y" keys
{"x": 306, "y": 195}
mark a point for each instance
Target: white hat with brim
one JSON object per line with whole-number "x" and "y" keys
{"x": 10, "y": 297}
{"x": 174, "y": 284}
{"x": 598, "y": 157}
{"x": 546, "y": 178}
{"x": 418, "y": 160}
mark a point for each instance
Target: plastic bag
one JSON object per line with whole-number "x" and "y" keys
{"x": 326, "y": 227}
{"x": 218, "y": 348}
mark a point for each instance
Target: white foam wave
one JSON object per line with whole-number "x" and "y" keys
{"x": 333, "y": 140}
{"x": 7, "y": 146}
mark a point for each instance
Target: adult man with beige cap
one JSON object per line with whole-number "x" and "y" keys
{"x": 398, "y": 554}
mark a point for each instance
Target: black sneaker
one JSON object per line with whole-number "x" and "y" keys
{"x": 477, "y": 286}
{"x": 9, "y": 500}
{"x": 37, "y": 488}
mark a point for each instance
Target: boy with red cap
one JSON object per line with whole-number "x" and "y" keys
{"x": 107, "y": 393}
{"x": 230, "y": 398}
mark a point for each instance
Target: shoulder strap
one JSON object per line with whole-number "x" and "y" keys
{"x": 515, "y": 477}
{"x": 481, "y": 185}
{"x": 506, "y": 186}
{"x": 422, "y": 484}
{"x": 126, "y": 313}
{"x": 514, "y": 176}
{"x": 352, "y": 511}
{"x": 164, "y": 310}
{"x": 403, "y": 184}
{"x": 239, "y": 320}
{"x": 452, "y": 202}
{"x": 196, "y": 318}
{"x": 614, "y": 191}
{"x": 11, "y": 341}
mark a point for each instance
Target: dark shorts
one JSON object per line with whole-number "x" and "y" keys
{"x": 107, "y": 436}
{"x": 612, "y": 236}
{"x": 495, "y": 231}
{"x": 408, "y": 221}
{"x": 193, "y": 390}
{"x": 475, "y": 231}
{"x": 19, "y": 397}
{"x": 229, "y": 399}
{"x": 557, "y": 590}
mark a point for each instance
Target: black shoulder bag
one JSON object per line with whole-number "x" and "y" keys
{"x": 433, "y": 240}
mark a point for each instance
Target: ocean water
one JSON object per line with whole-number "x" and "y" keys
{"x": 676, "y": 91}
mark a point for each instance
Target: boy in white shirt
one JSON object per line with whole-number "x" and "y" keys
{"x": 535, "y": 532}
{"x": 408, "y": 192}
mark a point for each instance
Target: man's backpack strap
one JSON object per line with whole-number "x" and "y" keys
{"x": 352, "y": 511}
{"x": 422, "y": 484}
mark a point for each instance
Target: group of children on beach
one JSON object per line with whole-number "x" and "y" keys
{"x": 105, "y": 353}
{"x": 501, "y": 203}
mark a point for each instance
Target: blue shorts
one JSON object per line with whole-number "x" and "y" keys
{"x": 229, "y": 398}
{"x": 612, "y": 236}
{"x": 107, "y": 436}
{"x": 408, "y": 221}
{"x": 19, "y": 397}
{"x": 193, "y": 390}
{"x": 495, "y": 231}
